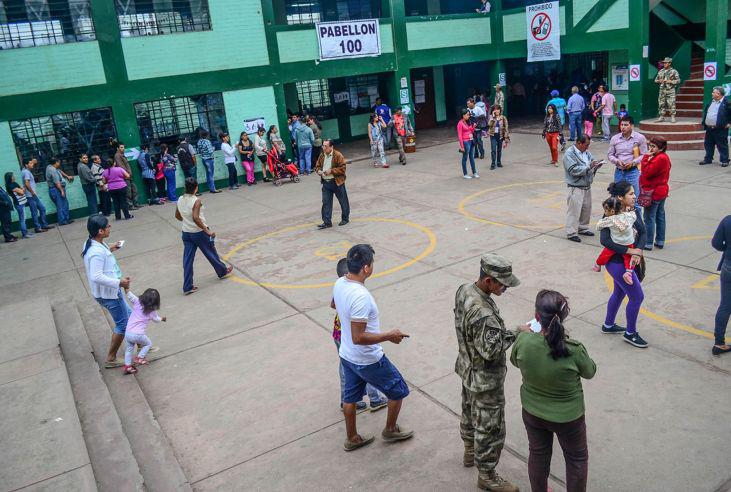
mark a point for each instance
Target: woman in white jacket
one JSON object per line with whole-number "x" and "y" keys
{"x": 229, "y": 157}
{"x": 106, "y": 281}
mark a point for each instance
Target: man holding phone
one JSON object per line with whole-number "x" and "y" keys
{"x": 580, "y": 168}
{"x": 361, "y": 355}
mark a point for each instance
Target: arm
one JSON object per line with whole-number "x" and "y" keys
{"x": 86, "y": 173}
{"x": 27, "y": 187}
{"x": 132, "y": 298}
{"x": 361, "y": 337}
{"x": 585, "y": 364}
{"x": 641, "y": 233}
{"x": 96, "y": 265}
{"x": 198, "y": 221}
{"x": 514, "y": 352}
{"x": 575, "y": 168}
{"x": 490, "y": 338}
{"x": 643, "y": 150}
{"x": 338, "y": 168}
{"x": 156, "y": 317}
{"x": 719, "y": 241}
{"x": 18, "y": 191}
{"x": 178, "y": 216}
{"x": 507, "y": 131}
{"x": 612, "y": 154}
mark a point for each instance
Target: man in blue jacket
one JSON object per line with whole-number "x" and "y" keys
{"x": 716, "y": 120}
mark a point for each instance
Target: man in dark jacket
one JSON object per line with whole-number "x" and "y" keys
{"x": 716, "y": 120}
{"x": 6, "y": 206}
{"x": 187, "y": 160}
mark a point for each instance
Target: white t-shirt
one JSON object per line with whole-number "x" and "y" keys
{"x": 354, "y": 302}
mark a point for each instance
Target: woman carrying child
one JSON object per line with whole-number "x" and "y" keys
{"x": 620, "y": 225}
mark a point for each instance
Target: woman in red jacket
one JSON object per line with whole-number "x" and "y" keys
{"x": 655, "y": 168}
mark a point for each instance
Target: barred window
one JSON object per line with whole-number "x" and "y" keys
{"x": 303, "y": 11}
{"x": 363, "y": 90}
{"x": 357, "y": 9}
{"x": 64, "y": 135}
{"x": 25, "y": 23}
{"x": 168, "y": 120}
{"x": 314, "y": 98}
{"x": 311, "y": 11}
{"x": 153, "y": 17}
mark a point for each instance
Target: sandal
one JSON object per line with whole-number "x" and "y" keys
{"x": 113, "y": 364}
{"x": 191, "y": 291}
{"x": 228, "y": 272}
{"x": 364, "y": 441}
{"x": 141, "y": 361}
{"x": 130, "y": 370}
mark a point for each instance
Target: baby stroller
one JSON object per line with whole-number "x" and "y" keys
{"x": 281, "y": 170}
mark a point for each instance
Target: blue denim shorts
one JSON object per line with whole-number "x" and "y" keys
{"x": 382, "y": 375}
{"x": 119, "y": 310}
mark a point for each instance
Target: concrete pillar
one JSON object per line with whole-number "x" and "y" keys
{"x": 642, "y": 95}
{"x": 717, "y": 12}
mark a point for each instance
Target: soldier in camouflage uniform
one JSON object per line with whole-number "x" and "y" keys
{"x": 481, "y": 363}
{"x": 668, "y": 78}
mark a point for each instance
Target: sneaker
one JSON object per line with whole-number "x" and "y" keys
{"x": 615, "y": 328}
{"x": 365, "y": 440}
{"x": 28, "y": 235}
{"x": 467, "y": 176}
{"x": 575, "y": 239}
{"x": 361, "y": 405}
{"x": 635, "y": 339}
{"x": 376, "y": 405}
{"x": 704, "y": 163}
{"x": 495, "y": 483}
{"x": 499, "y": 165}
{"x": 476, "y": 175}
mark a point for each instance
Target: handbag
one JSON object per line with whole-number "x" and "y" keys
{"x": 641, "y": 269}
{"x": 645, "y": 198}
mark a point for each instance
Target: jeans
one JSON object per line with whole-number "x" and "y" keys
{"x": 62, "y": 205}
{"x": 90, "y": 192}
{"x": 305, "y": 159}
{"x": 38, "y": 212}
{"x": 606, "y": 130}
{"x": 21, "y": 219}
{"x": 119, "y": 198}
{"x": 374, "y": 395}
{"x": 574, "y": 125}
{"x": 654, "y": 217}
{"x": 150, "y": 190}
{"x": 233, "y": 177}
{"x": 119, "y": 311}
{"x": 210, "y": 170}
{"x": 132, "y": 195}
{"x": 132, "y": 339}
{"x": 572, "y": 438}
{"x": 496, "y": 149}
{"x": 161, "y": 189}
{"x": 192, "y": 241}
{"x": 622, "y": 290}
{"x": 330, "y": 188}
{"x": 170, "y": 181}
{"x": 480, "y": 148}
{"x": 716, "y": 137}
{"x": 630, "y": 175}
{"x": 724, "y": 308}
{"x": 469, "y": 151}
{"x": 105, "y": 202}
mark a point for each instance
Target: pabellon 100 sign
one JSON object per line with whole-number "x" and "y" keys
{"x": 348, "y": 39}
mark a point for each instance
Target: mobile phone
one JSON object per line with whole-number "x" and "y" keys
{"x": 535, "y": 325}
{"x": 120, "y": 244}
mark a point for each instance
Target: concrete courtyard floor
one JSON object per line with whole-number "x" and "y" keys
{"x": 245, "y": 385}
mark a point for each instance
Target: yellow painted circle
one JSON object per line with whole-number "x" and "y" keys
{"x": 423, "y": 254}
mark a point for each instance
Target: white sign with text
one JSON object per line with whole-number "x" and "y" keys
{"x": 348, "y": 39}
{"x": 544, "y": 31}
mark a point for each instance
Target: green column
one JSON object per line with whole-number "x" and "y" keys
{"x": 716, "y": 18}
{"x": 496, "y": 27}
{"x": 642, "y": 95}
{"x": 403, "y": 66}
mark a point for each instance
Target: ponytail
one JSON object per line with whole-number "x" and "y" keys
{"x": 552, "y": 309}
{"x": 94, "y": 224}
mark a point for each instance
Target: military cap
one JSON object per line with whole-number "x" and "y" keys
{"x": 667, "y": 60}
{"x": 499, "y": 268}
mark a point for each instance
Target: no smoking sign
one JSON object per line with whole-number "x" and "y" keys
{"x": 634, "y": 73}
{"x": 540, "y": 26}
{"x": 709, "y": 71}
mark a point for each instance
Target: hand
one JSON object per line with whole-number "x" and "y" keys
{"x": 210, "y": 233}
{"x": 327, "y": 173}
{"x": 164, "y": 319}
{"x": 634, "y": 261}
{"x": 124, "y": 283}
{"x": 634, "y": 251}
{"x": 396, "y": 336}
{"x": 63, "y": 194}
{"x": 461, "y": 150}
{"x": 70, "y": 178}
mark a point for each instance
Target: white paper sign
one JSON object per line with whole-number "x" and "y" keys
{"x": 404, "y": 96}
{"x": 620, "y": 78}
{"x": 634, "y": 73}
{"x": 252, "y": 125}
{"x": 404, "y": 83}
{"x": 544, "y": 31}
{"x": 501, "y": 79}
{"x": 709, "y": 71}
{"x": 420, "y": 99}
{"x": 348, "y": 39}
{"x": 339, "y": 97}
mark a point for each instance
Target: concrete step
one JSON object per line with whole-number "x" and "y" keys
{"x": 42, "y": 443}
{"x": 690, "y": 113}
{"x": 689, "y": 98}
{"x": 686, "y": 145}
{"x": 689, "y": 105}
{"x": 693, "y": 83}
{"x": 683, "y": 125}
{"x": 691, "y": 90}
{"x": 114, "y": 465}
{"x": 676, "y": 136}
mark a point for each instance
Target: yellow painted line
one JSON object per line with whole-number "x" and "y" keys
{"x": 687, "y": 238}
{"x": 424, "y": 253}
{"x": 704, "y": 283}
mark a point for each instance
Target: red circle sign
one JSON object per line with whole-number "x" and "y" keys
{"x": 540, "y": 26}
{"x": 710, "y": 71}
{"x": 635, "y": 72}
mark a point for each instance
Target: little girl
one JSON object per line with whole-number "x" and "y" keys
{"x": 144, "y": 310}
{"x": 620, "y": 226}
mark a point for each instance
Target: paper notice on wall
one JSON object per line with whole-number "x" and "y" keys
{"x": 404, "y": 96}
{"x": 404, "y": 83}
{"x": 132, "y": 153}
{"x": 544, "y": 32}
{"x": 419, "y": 88}
{"x": 253, "y": 125}
{"x": 419, "y": 98}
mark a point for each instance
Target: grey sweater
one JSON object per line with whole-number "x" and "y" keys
{"x": 578, "y": 168}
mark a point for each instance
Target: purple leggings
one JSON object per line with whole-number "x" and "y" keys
{"x": 621, "y": 289}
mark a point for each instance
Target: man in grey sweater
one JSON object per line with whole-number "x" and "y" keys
{"x": 88, "y": 183}
{"x": 580, "y": 169}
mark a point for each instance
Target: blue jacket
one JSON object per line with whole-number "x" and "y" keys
{"x": 724, "y": 116}
{"x": 304, "y": 137}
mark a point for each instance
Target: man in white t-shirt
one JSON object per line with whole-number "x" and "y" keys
{"x": 361, "y": 354}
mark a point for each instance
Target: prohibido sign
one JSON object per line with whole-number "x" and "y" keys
{"x": 348, "y": 39}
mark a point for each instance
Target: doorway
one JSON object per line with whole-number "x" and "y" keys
{"x": 422, "y": 90}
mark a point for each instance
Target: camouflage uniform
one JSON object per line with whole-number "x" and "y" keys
{"x": 481, "y": 363}
{"x": 666, "y": 96}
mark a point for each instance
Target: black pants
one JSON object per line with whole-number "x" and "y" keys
{"x": 161, "y": 189}
{"x": 716, "y": 137}
{"x": 6, "y": 221}
{"x": 190, "y": 173}
{"x": 724, "y": 308}
{"x": 119, "y": 198}
{"x": 233, "y": 177}
{"x": 316, "y": 151}
{"x": 480, "y": 147}
{"x": 105, "y": 202}
{"x": 150, "y": 190}
{"x": 330, "y": 188}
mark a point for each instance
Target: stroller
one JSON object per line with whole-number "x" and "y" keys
{"x": 281, "y": 170}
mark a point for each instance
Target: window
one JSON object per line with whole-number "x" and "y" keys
{"x": 363, "y": 92}
{"x": 303, "y": 11}
{"x": 311, "y": 11}
{"x": 152, "y": 17}
{"x": 66, "y": 135}
{"x": 314, "y": 98}
{"x": 167, "y": 120}
{"x": 25, "y": 23}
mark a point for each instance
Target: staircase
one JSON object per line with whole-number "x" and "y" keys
{"x": 687, "y": 133}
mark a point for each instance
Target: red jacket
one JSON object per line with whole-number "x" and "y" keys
{"x": 655, "y": 173}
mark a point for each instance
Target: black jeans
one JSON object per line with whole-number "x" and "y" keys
{"x": 90, "y": 192}
{"x": 716, "y": 137}
{"x": 150, "y": 190}
{"x": 496, "y": 149}
{"x": 480, "y": 149}
{"x": 190, "y": 173}
{"x": 5, "y": 221}
{"x": 119, "y": 197}
{"x": 724, "y": 309}
{"x": 330, "y": 188}
{"x": 105, "y": 202}
{"x": 233, "y": 177}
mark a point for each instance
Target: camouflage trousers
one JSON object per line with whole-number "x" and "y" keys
{"x": 666, "y": 102}
{"x": 482, "y": 426}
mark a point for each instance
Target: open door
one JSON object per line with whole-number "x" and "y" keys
{"x": 422, "y": 92}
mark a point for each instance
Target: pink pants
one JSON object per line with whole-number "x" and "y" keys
{"x": 249, "y": 168}
{"x": 588, "y": 128}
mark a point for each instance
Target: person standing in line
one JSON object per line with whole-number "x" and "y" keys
{"x": 552, "y": 365}
{"x": 722, "y": 242}
{"x": 580, "y": 169}
{"x": 97, "y": 170}
{"x": 121, "y": 161}
{"x": 88, "y": 183}
{"x": 626, "y": 194}
{"x": 229, "y": 157}
{"x": 479, "y": 119}
{"x": 57, "y": 190}
{"x": 37, "y": 209}
{"x": 716, "y": 121}
{"x": 625, "y": 151}
{"x": 305, "y": 140}
{"x": 654, "y": 179}
{"x": 483, "y": 341}
{"x": 552, "y": 128}
{"x": 205, "y": 149}
{"x": 276, "y": 142}
{"x": 331, "y": 169}
{"x": 499, "y": 99}
{"x": 497, "y": 129}
{"x": 317, "y": 132}
{"x": 384, "y": 112}
{"x": 168, "y": 169}
{"x": 160, "y": 180}
{"x": 246, "y": 151}
{"x": 588, "y": 117}
{"x": 17, "y": 194}
{"x": 261, "y": 147}
{"x": 6, "y": 219}
{"x": 196, "y": 234}
{"x": 466, "y": 141}
{"x": 148, "y": 171}
{"x": 575, "y": 109}
{"x": 361, "y": 353}
{"x": 116, "y": 179}
{"x": 186, "y": 158}
{"x": 376, "y": 130}
{"x": 402, "y": 127}
{"x": 106, "y": 281}
{"x": 668, "y": 78}
{"x": 607, "y": 108}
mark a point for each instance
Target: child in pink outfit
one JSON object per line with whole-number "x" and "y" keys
{"x": 144, "y": 310}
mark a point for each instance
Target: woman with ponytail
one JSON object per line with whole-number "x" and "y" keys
{"x": 106, "y": 281}
{"x": 552, "y": 366}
